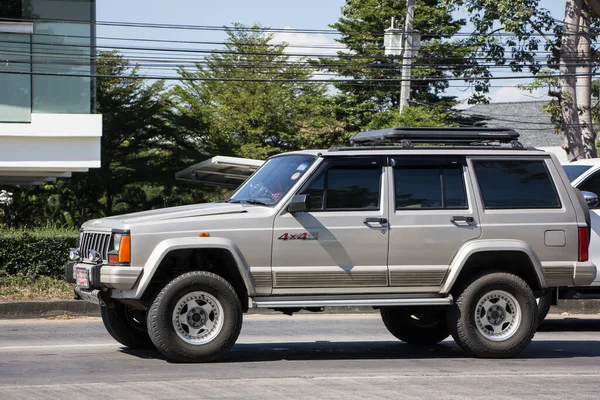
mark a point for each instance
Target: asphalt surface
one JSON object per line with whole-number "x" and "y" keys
{"x": 299, "y": 357}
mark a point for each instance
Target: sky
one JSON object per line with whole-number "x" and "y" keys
{"x": 304, "y": 14}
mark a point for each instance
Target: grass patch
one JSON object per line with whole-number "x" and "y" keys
{"x": 17, "y": 288}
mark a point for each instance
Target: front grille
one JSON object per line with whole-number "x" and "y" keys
{"x": 94, "y": 241}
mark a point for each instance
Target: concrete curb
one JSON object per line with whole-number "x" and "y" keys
{"x": 43, "y": 309}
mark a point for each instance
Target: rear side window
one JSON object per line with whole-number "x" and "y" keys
{"x": 506, "y": 184}
{"x": 429, "y": 186}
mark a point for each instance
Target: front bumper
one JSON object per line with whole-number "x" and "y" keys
{"x": 106, "y": 276}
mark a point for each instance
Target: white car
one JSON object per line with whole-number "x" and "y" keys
{"x": 585, "y": 176}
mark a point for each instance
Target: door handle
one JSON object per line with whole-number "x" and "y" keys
{"x": 468, "y": 220}
{"x": 375, "y": 220}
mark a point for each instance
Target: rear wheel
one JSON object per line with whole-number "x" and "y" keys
{"x": 126, "y": 325}
{"x": 544, "y": 304}
{"x": 495, "y": 316}
{"x": 416, "y": 325}
{"x": 197, "y": 317}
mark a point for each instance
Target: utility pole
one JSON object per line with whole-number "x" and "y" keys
{"x": 408, "y": 54}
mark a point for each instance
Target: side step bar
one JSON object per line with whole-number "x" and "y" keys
{"x": 353, "y": 301}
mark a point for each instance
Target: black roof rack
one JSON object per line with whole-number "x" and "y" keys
{"x": 406, "y": 136}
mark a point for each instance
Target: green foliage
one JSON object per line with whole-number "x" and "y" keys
{"x": 362, "y": 25}
{"x": 35, "y": 253}
{"x": 249, "y": 118}
{"x": 413, "y": 116}
{"x": 523, "y": 24}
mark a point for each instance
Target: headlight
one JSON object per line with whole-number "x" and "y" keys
{"x": 117, "y": 241}
{"x": 74, "y": 255}
{"x": 120, "y": 253}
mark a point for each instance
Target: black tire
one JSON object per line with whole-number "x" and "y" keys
{"x": 168, "y": 336}
{"x": 462, "y": 317}
{"x": 416, "y": 325}
{"x": 126, "y": 326}
{"x": 544, "y": 303}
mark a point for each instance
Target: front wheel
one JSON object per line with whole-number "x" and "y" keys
{"x": 126, "y": 325}
{"x": 416, "y": 325}
{"x": 495, "y": 316}
{"x": 197, "y": 317}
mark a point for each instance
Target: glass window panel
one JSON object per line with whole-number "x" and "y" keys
{"x": 574, "y": 171}
{"x": 515, "y": 184}
{"x": 454, "y": 188}
{"x": 62, "y": 49}
{"x": 55, "y": 54}
{"x": 66, "y": 10}
{"x": 15, "y": 78}
{"x": 353, "y": 188}
{"x": 418, "y": 187}
{"x": 315, "y": 191}
{"x": 591, "y": 184}
{"x": 10, "y": 9}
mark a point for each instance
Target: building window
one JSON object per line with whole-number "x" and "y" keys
{"x": 63, "y": 50}
{"x": 48, "y": 66}
{"x": 11, "y": 10}
{"x": 15, "y": 68}
{"x": 515, "y": 184}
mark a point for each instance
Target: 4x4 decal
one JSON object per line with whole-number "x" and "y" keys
{"x": 299, "y": 236}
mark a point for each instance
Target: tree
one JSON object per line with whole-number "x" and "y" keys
{"x": 362, "y": 25}
{"x": 253, "y": 100}
{"x": 527, "y": 28}
{"x": 568, "y": 70}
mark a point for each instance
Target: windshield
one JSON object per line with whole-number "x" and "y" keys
{"x": 574, "y": 171}
{"x": 273, "y": 180}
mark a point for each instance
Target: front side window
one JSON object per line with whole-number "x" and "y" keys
{"x": 346, "y": 188}
{"x": 273, "y": 180}
{"x": 429, "y": 186}
{"x": 507, "y": 184}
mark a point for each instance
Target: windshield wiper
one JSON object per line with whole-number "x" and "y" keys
{"x": 257, "y": 202}
{"x": 247, "y": 201}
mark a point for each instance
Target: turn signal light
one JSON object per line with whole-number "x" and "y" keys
{"x": 125, "y": 249}
{"x": 204, "y": 234}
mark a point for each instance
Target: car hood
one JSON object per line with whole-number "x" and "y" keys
{"x": 197, "y": 210}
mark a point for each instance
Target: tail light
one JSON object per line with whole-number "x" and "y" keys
{"x": 583, "y": 244}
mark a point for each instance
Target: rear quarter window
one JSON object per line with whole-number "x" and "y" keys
{"x": 511, "y": 184}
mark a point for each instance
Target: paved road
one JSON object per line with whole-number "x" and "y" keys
{"x": 300, "y": 357}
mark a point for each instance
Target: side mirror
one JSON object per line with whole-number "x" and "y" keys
{"x": 590, "y": 198}
{"x": 299, "y": 203}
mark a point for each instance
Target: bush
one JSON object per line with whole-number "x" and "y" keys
{"x": 36, "y": 252}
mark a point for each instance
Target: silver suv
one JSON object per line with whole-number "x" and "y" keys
{"x": 446, "y": 231}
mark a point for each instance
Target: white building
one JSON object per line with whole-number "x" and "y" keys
{"x": 48, "y": 125}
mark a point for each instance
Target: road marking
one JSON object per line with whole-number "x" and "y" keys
{"x": 59, "y": 346}
{"x": 279, "y": 380}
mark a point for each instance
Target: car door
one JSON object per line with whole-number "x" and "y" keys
{"x": 340, "y": 244}
{"x": 432, "y": 214}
